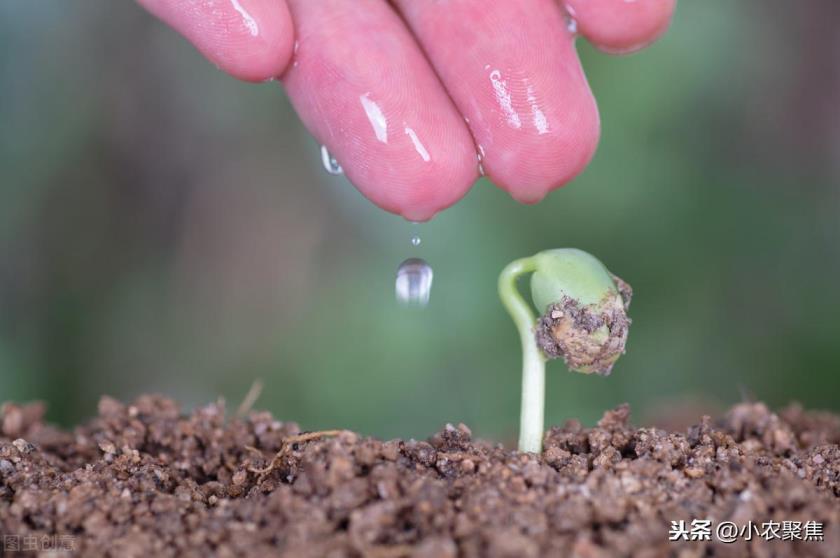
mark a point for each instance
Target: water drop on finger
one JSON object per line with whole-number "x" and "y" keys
{"x": 480, "y": 157}
{"x": 571, "y": 22}
{"x": 330, "y": 163}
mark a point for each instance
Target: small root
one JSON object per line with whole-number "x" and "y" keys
{"x": 250, "y": 398}
{"x": 309, "y": 436}
{"x": 285, "y": 444}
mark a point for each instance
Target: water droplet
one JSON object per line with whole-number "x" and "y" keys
{"x": 571, "y": 22}
{"x": 247, "y": 19}
{"x": 504, "y": 99}
{"x": 295, "y": 57}
{"x": 376, "y": 117}
{"x": 416, "y": 240}
{"x": 330, "y": 163}
{"x": 414, "y": 282}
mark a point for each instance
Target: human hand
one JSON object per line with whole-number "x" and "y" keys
{"x": 500, "y": 86}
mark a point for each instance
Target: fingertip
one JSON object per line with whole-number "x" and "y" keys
{"x": 534, "y": 166}
{"x": 416, "y": 189}
{"x": 529, "y": 197}
{"x": 621, "y": 26}
{"x": 436, "y": 189}
{"x": 260, "y": 60}
{"x": 252, "y": 40}
{"x": 521, "y": 88}
{"x": 364, "y": 89}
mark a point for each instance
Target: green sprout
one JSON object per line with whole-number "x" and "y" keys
{"x": 584, "y": 321}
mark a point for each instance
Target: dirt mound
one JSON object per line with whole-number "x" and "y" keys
{"x": 142, "y": 479}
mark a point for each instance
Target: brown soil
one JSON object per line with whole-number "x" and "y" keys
{"x": 143, "y": 480}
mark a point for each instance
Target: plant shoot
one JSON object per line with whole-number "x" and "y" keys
{"x": 583, "y": 320}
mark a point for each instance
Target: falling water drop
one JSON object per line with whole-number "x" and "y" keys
{"x": 416, "y": 240}
{"x": 330, "y": 163}
{"x": 414, "y": 282}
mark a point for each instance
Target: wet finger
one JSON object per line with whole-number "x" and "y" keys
{"x": 249, "y": 39}
{"x": 621, "y": 26}
{"x": 513, "y": 72}
{"x": 362, "y": 86}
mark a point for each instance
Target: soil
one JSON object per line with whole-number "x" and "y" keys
{"x": 142, "y": 479}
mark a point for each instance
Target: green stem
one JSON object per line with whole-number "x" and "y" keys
{"x": 531, "y": 419}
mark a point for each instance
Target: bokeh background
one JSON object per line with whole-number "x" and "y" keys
{"x": 165, "y": 228}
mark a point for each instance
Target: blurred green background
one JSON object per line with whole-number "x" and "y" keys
{"x": 165, "y": 228}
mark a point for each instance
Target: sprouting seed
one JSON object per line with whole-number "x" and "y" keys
{"x": 583, "y": 320}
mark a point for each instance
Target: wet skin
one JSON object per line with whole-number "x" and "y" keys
{"x": 414, "y": 97}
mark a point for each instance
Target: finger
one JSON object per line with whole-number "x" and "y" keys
{"x": 621, "y": 26}
{"x": 512, "y": 70}
{"x": 249, "y": 39}
{"x": 362, "y": 86}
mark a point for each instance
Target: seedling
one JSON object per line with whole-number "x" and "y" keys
{"x": 584, "y": 321}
